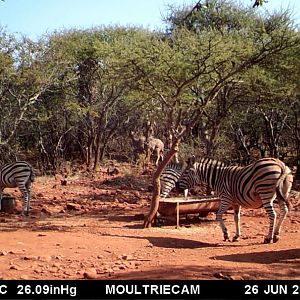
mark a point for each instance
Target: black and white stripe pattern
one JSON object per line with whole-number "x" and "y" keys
{"x": 17, "y": 174}
{"x": 169, "y": 177}
{"x": 254, "y": 186}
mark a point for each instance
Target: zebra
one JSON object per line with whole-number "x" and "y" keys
{"x": 169, "y": 177}
{"x": 17, "y": 174}
{"x": 254, "y": 186}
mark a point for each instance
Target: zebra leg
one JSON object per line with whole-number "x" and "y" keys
{"x": 237, "y": 216}
{"x": 28, "y": 186}
{"x": 223, "y": 207}
{"x": 25, "y": 190}
{"x": 283, "y": 213}
{"x": 272, "y": 219}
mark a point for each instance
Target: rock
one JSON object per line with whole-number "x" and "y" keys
{"x": 56, "y": 265}
{"x": 15, "y": 252}
{"x": 73, "y": 206}
{"x": 30, "y": 257}
{"x": 14, "y": 267}
{"x": 82, "y": 247}
{"x": 90, "y": 274}
{"x": 221, "y": 276}
{"x": 38, "y": 270}
{"x": 127, "y": 257}
{"x": 100, "y": 271}
{"x": 46, "y": 210}
{"x": 45, "y": 258}
{"x": 68, "y": 273}
{"x": 122, "y": 267}
{"x": 42, "y": 234}
{"x": 137, "y": 264}
{"x": 3, "y": 253}
{"x": 64, "y": 182}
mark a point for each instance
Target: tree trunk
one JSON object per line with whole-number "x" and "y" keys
{"x": 156, "y": 184}
{"x": 89, "y": 153}
{"x": 97, "y": 153}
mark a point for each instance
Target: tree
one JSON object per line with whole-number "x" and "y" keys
{"x": 221, "y": 51}
{"x": 23, "y": 81}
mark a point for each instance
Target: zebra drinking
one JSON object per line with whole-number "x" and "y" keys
{"x": 254, "y": 186}
{"x": 169, "y": 177}
{"x": 17, "y": 174}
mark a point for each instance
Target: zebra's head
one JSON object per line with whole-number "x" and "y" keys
{"x": 169, "y": 177}
{"x": 188, "y": 178}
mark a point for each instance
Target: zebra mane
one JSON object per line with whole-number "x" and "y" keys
{"x": 175, "y": 166}
{"x": 213, "y": 162}
{"x": 205, "y": 160}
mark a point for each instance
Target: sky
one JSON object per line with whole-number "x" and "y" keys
{"x": 33, "y": 18}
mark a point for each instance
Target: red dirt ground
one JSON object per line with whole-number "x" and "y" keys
{"x": 92, "y": 228}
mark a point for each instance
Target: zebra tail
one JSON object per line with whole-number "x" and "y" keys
{"x": 32, "y": 176}
{"x": 284, "y": 187}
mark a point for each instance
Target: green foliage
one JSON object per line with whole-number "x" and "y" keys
{"x": 226, "y": 72}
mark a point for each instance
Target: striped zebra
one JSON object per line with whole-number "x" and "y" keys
{"x": 17, "y": 174}
{"x": 254, "y": 186}
{"x": 169, "y": 177}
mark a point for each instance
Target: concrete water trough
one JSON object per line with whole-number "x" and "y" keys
{"x": 177, "y": 206}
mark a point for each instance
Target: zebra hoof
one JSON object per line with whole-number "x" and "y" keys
{"x": 226, "y": 238}
{"x": 276, "y": 238}
{"x": 267, "y": 240}
{"x": 236, "y": 239}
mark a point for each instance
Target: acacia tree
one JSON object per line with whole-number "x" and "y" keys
{"x": 92, "y": 100}
{"x": 212, "y": 57}
{"x": 23, "y": 83}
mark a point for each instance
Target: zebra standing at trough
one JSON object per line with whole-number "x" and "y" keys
{"x": 17, "y": 174}
{"x": 169, "y": 177}
{"x": 253, "y": 186}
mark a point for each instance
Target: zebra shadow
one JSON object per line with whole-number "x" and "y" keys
{"x": 168, "y": 242}
{"x": 265, "y": 257}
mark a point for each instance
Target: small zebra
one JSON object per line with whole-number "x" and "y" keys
{"x": 17, "y": 174}
{"x": 254, "y": 186}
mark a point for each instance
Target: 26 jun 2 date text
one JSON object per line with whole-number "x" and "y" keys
{"x": 272, "y": 289}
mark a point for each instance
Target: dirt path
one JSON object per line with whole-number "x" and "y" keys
{"x": 92, "y": 228}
